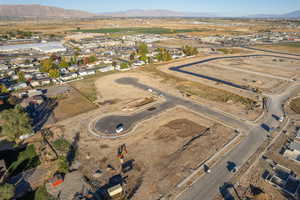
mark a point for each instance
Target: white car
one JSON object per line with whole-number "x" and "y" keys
{"x": 119, "y": 128}
{"x": 281, "y": 119}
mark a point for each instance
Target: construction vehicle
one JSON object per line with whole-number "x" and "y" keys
{"x": 122, "y": 151}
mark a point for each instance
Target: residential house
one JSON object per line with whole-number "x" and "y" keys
{"x": 86, "y": 72}
{"x": 106, "y": 69}
{"x": 69, "y": 76}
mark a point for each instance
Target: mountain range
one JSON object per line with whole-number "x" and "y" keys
{"x": 291, "y": 15}
{"x": 41, "y": 11}
{"x": 156, "y": 13}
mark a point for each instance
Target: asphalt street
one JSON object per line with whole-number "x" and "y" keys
{"x": 208, "y": 186}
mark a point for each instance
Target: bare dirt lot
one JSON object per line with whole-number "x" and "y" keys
{"x": 163, "y": 150}
{"x": 116, "y": 97}
{"x": 267, "y": 65}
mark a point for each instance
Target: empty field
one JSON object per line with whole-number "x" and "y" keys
{"x": 265, "y": 67}
{"x": 287, "y": 48}
{"x": 163, "y": 151}
{"x": 71, "y": 104}
{"x": 240, "y": 78}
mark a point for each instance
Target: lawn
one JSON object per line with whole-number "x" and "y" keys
{"x": 138, "y": 30}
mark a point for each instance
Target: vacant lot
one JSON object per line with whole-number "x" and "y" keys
{"x": 163, "y": 151}
{"x": 242, "y": 79}
{"x": 264, "y": 65}
{"x": 116, "y": 97}
{"x": 87, "y": 86}
{"x": 71, "y": 104}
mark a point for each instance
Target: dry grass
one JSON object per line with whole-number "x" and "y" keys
{"x": 87, "y": 86}
{"x": 72, "y": 104}
{"x": 287, "y": 48}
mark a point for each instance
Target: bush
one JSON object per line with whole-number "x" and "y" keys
{"x": 63, "y": 166}
{"x": 26, "y": 160}
{"x": 124, "y": 65}
{"x": 42, "y": 194}
{"x": 61, "y": 145}
{"x": 7, "y": 191}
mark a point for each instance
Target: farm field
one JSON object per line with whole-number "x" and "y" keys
{"x": 138, "y": 30}
{"x": 287, "y": 48}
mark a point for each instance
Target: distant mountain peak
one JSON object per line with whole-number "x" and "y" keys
{"x": 36, "y": 10}
{"x": 290, "y": 15}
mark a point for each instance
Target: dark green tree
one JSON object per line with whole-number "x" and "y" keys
{"x": 21, "y": 76}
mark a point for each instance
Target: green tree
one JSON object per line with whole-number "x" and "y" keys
{"x": 163, "y": 55}
{"x": 143, "y": 58}
{"x": 132, "y": 56}
{"x": 124, "y": 65}
{"x": 21, "y": 76}
{"x": 92, "y": 59}
{"x": 46, "y": 65}
{"x": 27, "y": 62}
{"x": 54, "y": 73}
{"x": 15, "y": 122}
{"x": 64, "y": 64}
{"x": 7, "y": 191}
{"x": 13, "y": 100}
{"x": 142, "y": 49}
{"x": 189, "y": 51}
{"x": 27, "y": 159}
{"x": 73, "y": 60}
{"x": 150, "y": 60}
{"x": 3, "y": 88}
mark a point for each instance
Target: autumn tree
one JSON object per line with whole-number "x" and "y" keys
{"x": 64, "y": 64}
{"x": 189, "y": 50}
{"x": 163, "y": 55}
{"x": 54, "y": 73}
{"x": 15, "y": 122}
{"x": 46, "y": 65}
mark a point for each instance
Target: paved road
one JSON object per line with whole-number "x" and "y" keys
{"x": 208, "y": 186}
{"x": 108, "y": 124}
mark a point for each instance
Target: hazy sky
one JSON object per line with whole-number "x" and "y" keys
{"x": 228, "y": 7}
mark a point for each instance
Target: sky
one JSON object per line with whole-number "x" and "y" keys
{"x": 225, "y": 7}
